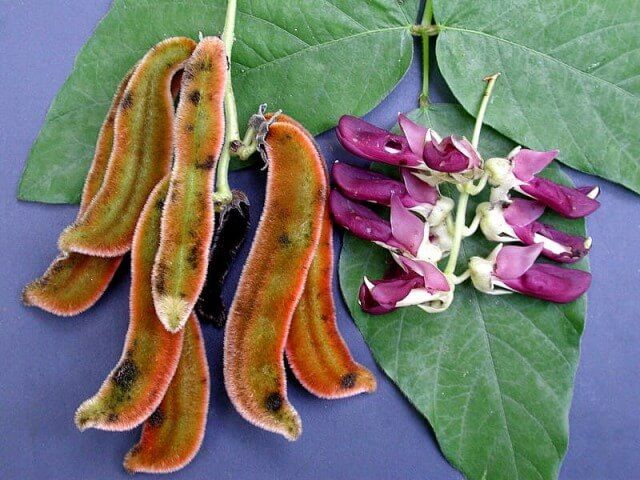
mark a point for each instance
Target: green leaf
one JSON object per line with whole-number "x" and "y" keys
{"x": 569, "y": 76}
{"x": 315, "y": 59}
{"x": 493, "y": 374}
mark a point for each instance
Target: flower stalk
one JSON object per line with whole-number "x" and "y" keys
{"x": 463, "y": 199}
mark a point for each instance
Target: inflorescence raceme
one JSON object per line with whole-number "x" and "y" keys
{"x": 421, "y": 229}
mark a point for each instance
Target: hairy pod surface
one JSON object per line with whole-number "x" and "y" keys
{"x": 232, "y": 224}
{"x": 273, "y": 278}
{"x": 187, "y": 223}
{"x": 173, "y": 434}
{"x": 141, "y": 157}
{"x": 317, "y": 353}
{"x": 74, "y": 282}
{"x": 135, "y": 387}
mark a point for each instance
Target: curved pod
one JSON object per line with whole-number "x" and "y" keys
{"x": 273, "y": 279}
{"x": 317, "y": 354}
{"x": 141, "y": 156}
{"x": 173, "y": 434}
{"x": 135, "y": 387}
{"x": 187, "y": 223}
{"x": 74, "y": 282}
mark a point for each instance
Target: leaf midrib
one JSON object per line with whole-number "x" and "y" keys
{"x": 322, "y": 45}
{"x": 624, "y": 92}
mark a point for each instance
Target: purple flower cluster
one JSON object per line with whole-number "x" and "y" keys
{"x": 418, "y": 231}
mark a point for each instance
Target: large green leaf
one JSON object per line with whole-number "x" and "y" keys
{"x": 493, "y": 374}
{"x": 569, "y": 75}
{"x": 315, "y": 59}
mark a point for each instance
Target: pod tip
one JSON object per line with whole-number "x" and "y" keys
{"x": 173, "y": 312}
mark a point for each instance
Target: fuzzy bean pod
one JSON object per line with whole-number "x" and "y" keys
{"x": 173, "y": 434}
{"x": 273, "y": 279}
{"x": 141, "y": 157}
{"x": 187, "y": 223}
{"x": 232, "y": 224}
{"x": 74, "y": 282}
{"x": 317, "y": 354}
{"x": 136, "y": 386}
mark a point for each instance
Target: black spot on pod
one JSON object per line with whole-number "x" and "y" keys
{"x": 348, "y": 381}
{"x": 284, "y": 240}
{"x": 273, "y": 403}
{"x": 207, "y": 164}
{"x": 192, "y": 258}
{"x": 194, "y": 97}
{"x": 125, "y": 375}
{"x": 127, "y": 101}
{"x": 113, "y": 417}
{"x": 189, "y": 128}
{"x": 160, "y": 205}
{"x": 157, "y": 418}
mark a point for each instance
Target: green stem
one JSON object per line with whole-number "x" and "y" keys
{"x": 463, "y": 200}
{"x": 458, "y": 233}
{"x": 491, "y": 81}
{"x": 427, "y": 18}
{"x": 222, "y": 193}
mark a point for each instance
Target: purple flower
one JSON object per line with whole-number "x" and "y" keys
{"x": 518, "y": 172}
{"x": 450, "y": 159}
{"x": 414, "y": 283}
{"x": 513, "y": 269}
{"x": 373, "y": 143}
{"x": 403, "y": 233}
{"x": 518, "y": 222}
{"x": 367, "y": 186}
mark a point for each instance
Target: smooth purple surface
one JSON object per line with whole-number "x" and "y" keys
{"x": 50, "y": 365}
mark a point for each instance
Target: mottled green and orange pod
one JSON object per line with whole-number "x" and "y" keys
{"x": 74, "y": 281}
{"x": 187, "y": 223}
{"x": 173, "y": 434}
{"x": 317, "y": 354}
{"x": 136, "y": 386}
{"x": 141, "y": 157}
{"x": 273, "y": 279}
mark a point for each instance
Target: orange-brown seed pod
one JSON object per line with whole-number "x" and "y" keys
{"x": 187, "y": 223}
{"x": 273, "y": 279}
{"x": 317, "y": 354}
{"x": 74, "y": 281}
{"x": 136, "y": 386}
{"x": 142, "y": 153}
{"x": 172, "y": 435}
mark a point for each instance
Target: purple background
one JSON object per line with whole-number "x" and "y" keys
{"x": 50, "y": 365}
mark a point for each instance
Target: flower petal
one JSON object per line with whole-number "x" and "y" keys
{"x": 591, "y": 191}
{"x": 365, "y": 185}
{"x": 415, "y": 134}
{"x": 381, "y": 296}
{"x": 360, "y": 220}
{"x": 559, "y": 246}
{"x": 406, "y": 228}
{"x": 526, "y": 163}
{"x": 512, "y": 261}
{"x": 444, "y": 156}
{"x": 551, "y": 283}
{"x": 568, "y": 202}
{"x": 373, "y": 143}
{"x": 434, "y": 279}
{"x": 522, "y": 212}
{"x": 420, "y": 191}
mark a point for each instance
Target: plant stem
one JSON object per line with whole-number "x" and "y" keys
{"x": 222, "y": 195}
{"x": 427, "y": 17}
{"x": 491, "y": 80}
{"x": 463, "y": 200}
